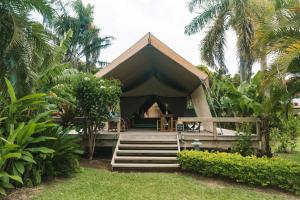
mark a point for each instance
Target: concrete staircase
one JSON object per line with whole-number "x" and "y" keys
{"x": 150, "y": 151}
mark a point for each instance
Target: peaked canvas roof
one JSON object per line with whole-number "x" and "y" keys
{"x": 150, "y": 67}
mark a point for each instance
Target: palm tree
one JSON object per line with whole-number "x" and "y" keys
{"x": 280, "y": 37}
{"x": 239, "y": 15}
{"x": 23, "y": 42}
{"x": 86, "y": 42}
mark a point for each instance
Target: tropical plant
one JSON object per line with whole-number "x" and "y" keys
{"x": 24, "y": 42}
{"x": 7, "y": 151}
{"x": 95, "y": 99}
{"x": 285, "y": 136}
{"x": 229, "y": 99}
{"x": 24, "y": 122}
{"x": 280, "y": 36}
{"x": 54, "y": 67}
{"x": 243, "y": 145}
{"x": 67, "y": 151}
{"x": 57, "y": 79}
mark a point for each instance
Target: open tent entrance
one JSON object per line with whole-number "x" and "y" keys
{"x": 150, "y": 113}
{"x": 153, "y": 112}
{"x": 151, "y": 108}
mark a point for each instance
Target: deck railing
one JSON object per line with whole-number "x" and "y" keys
{"x": 218, "y": 120}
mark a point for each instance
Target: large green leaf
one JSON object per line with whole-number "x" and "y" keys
{"x": 8, "y": 146}
{"x": 19, "y": 166}
{"x": 3, "y": 174}
{"x": 41, "y": 116}
{"x": 2, "y": 118}
{"x": 41, "y": 149}
{"x": 42, "y": 139}
{"x": 2, "y": 191}
{"x": 7, "y": 185}
{"x": 80, "y": 152}
{"x": 11, "y": 91}
{"x": 16, "y": 178}
{"x": 32, "y": 96}
{"x": 28, "y": 159}
{"x": 11, "y": 155}
{"x": 14, "y": 133}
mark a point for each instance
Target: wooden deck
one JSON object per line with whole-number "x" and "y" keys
{"x": 218, "y": 138}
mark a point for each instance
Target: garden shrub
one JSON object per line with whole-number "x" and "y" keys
{"x": 243, "y": 145}
{"x": 32, "y": 176}
{"x": 286, "y": 134}
{"x": 67, "y": 150}
{"x": 250, "y": 169}
{"x": 96, "y": 98}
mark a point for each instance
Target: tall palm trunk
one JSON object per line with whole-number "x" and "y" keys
{"x": 242, "y": 69}
{"x": 87, "y": 62}
{"x": 263, "y": 62}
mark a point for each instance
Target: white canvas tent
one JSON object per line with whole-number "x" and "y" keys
{"x": 152, "y": 72}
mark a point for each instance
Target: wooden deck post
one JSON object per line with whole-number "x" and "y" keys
{"x": 258, "y": 132}
{"x": 215, "y": 131}
{"x": 119, "y": 126}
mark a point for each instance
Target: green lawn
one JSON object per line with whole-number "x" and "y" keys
{"x": 102, "y": 184}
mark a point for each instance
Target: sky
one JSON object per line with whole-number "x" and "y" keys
{"x": 128, "y": 21}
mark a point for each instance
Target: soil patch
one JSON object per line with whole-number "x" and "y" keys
{"x": 97, "y": 164}
{"x": 24, "y": 193}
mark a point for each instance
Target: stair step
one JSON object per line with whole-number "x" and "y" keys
{"x": 132, "y": 159}
{"x": 148, "y": 141}
{"x": 153, "y": 136}
{"x": 147, "y": 152}
{"x": 144, "y": 166}
{"x": 148, "y": 146}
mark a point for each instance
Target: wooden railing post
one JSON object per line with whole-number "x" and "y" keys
{"x": 215, "y": 131}
{"x": 258, "y": 131}
{"x": 119, "y": 125}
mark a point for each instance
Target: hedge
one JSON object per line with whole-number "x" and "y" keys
{"x": 251, "y": 170}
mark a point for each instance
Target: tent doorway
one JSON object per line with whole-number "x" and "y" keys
{"x": 153, "y": 112}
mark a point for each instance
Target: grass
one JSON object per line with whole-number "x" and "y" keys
{"x": 102, "y": 184}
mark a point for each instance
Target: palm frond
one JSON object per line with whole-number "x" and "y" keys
{"x": 206, "y": 16}
{"x": 213, "y": 44}
{"x": 244, "y": 27}
{"x": 282, "y": 4}
{"x": 196, "y": 4}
